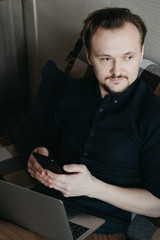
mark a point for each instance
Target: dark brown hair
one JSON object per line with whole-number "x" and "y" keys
{"x": 110, "y": 18}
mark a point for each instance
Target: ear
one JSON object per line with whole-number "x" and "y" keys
{"x": 87, "y": 56}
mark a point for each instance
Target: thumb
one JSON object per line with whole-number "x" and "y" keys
{"x": 74, "y": 168}
{"x": 43, "y": 151}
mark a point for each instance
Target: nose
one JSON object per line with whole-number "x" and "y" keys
{"x": 116, "y": 68}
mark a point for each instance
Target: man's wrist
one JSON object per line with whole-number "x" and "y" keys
{"x": 95, "y": 188}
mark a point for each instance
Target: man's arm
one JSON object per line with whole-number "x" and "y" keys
{"x": 135, "y": 200}
{"x": 81, "y": 182}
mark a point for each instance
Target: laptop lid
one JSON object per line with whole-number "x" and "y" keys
{"x": 42, "y": 214}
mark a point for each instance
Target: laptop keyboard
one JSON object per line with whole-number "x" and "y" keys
{"x": 77, "y": 230}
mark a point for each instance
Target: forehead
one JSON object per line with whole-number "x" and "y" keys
{"x": 126, "y": 38}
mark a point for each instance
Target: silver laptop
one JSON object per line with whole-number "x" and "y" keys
{"x": 44, "y": 215}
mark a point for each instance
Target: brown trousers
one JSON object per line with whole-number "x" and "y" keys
{"x": 10, "y": 231}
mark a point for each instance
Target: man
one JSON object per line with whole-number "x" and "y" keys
{"x": 105, "y": 131}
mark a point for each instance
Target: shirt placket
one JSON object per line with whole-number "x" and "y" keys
{"x": 89, "y": 144}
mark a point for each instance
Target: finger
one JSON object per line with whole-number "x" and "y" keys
{"x": 32, "y": 160}
{"x": 58, "y": 180}
{"x": 32, "y": 163}
{"x": 47, "y": 181}
{"x": 54, "y": 176}
{"x": 34, "y": 168}
{"x": 41, "y": 177}
{"x": 61, "y": 182}
{"x": 42, "y": 150}
{"x": 31, "y": 172}
{"x": 74, "y": 168}
{"x": 43, "y": 181}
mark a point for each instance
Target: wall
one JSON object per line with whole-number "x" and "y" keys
{"x": 53, "y": 26}
{"x": 12, "y": 52}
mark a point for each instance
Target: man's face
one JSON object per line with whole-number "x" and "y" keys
{"x": 115, "y": 56}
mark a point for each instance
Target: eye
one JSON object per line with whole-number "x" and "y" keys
{"x": 128, "y": 57}
{"x": 106, "y": 59}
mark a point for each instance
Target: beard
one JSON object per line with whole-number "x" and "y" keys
{"x": 110, "y": 90}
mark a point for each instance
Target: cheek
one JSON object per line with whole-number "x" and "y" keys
{"x": 100, "y": 74}
{"x": 100, "y": 71}
{"x": 136, "y": 68}
{"x": 133, "y": 72}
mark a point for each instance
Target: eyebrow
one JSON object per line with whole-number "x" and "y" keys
{"x": 130, "y": 52}
{"x": 109, "y": 55}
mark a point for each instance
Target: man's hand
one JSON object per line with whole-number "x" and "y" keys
{"x": 77, "y": 182}
{"x": 36, "y": 170}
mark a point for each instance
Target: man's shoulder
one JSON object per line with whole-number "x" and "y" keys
{"x": 150, "y": 101}
{"x": 88, "y": 79}
{"x": 80, "y": 85}
{"x": 149, "y": 94}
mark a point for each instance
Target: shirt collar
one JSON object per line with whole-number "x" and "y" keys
{"x": 113, "y": 98}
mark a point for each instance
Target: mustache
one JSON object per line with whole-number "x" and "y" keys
{"x": 116, "y": 76}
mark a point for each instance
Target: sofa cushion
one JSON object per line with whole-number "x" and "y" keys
{"x": 12, "y": 167}
{"x": 143, "y": 228}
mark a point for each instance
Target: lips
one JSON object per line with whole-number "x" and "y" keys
{"x": 116, "y": 79}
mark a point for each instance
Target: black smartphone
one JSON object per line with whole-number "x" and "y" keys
{"x": 48, "y": 163}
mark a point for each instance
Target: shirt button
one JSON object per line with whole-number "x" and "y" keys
{"x": 92, "y": 134}
{"x": 101, "y": 110}
{"x": 116, "y": 101}
{"x": 85, "y": 154}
